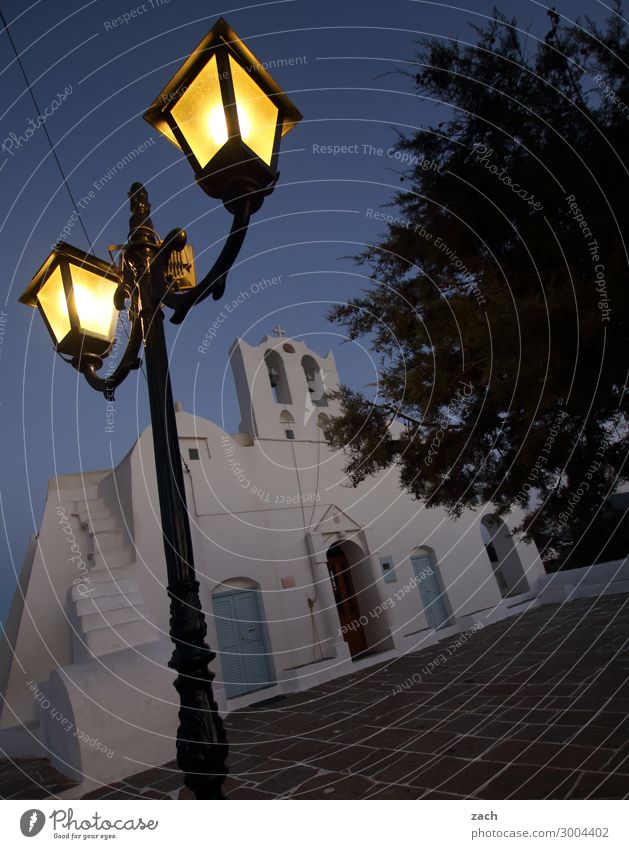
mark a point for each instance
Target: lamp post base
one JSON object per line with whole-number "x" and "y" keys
{"x": 201, "y": 740}
{"x": 202, "y": 761}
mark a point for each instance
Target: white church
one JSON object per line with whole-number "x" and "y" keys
{"x": 304, "y": 578}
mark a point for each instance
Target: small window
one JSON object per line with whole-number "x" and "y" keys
{"x": 193, "y": 453}
{"x": 290, "y": 434}
{"x": 388, "y": 570}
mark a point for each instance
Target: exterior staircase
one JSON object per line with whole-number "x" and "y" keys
{"x": 109, "y": 610}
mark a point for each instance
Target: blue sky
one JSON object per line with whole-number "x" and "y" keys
{"x": 318, "y": 216}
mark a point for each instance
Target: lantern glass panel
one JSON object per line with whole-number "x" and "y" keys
{"x": 257, "y": 114}
{"x": 200, "y": 116}
{"x": 94, "y": 301}
{"x": 165, "y": 129}
{"x": 52, "y": 300}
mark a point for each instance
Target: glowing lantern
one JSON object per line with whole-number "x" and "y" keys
{"x": 227, "y": 114}
{"x": 74, "y": 292}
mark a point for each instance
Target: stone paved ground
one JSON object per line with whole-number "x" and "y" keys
{"x": 533, "y": 707}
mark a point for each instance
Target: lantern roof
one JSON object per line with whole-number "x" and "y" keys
{"x": 220, "y": 34}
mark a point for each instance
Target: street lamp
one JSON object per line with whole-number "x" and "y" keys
{"x": 227, "y": 115}
{"x": 75, "y": 294}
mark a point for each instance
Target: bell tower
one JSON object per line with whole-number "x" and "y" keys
{"x": 281, "y": 386}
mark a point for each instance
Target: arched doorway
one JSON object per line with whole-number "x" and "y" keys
{"x": 347, "y": 606}
{"x": 503, "y": 555}
{"x": 242, "y": 640}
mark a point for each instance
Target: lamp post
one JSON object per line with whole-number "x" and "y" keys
{"x": 225, "y": 112}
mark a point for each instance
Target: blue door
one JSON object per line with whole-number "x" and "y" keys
{"x": 242, "y": 645}
{"x": 431, "y": 590}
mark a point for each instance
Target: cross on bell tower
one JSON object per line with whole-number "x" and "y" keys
{"x": 278, "y": 331}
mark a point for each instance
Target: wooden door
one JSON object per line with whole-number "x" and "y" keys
{"x": 346, "y": 601}
{"x": 241, "y": 643}
{"x": 431, "y": 590}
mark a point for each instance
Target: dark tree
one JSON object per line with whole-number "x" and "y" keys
{"x": 499, "y": 293}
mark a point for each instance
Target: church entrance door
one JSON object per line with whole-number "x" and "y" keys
{"x": 346, "y": 600}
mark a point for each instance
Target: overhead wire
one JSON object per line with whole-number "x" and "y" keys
{"x": 45, "y": 129}
{"x": 53, "y": 151}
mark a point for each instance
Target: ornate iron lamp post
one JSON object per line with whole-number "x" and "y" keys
{"x": 227, "y": 115}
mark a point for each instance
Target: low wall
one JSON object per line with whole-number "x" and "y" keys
{"x": 90, "y": 733}
{"x": 599, "y": 579}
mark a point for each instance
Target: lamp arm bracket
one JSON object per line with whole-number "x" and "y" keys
{"x": 175, "y": 241}
{"x": 214, "y": 281}
{"x": 89, "y": 364}
{"x": 124, "y": 291}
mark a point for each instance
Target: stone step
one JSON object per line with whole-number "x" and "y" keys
{"x": 111, "y": 618}
{"x": 88, "y": 506}
{"x": 106, "y": 540}
{"x": 97, "y": 526}
{"x": 89, "y": 492}
{"x": 112, "y": 558}
{"x": 107, "y": 640}
{"x": 116, "y": 573}
{"x": 86, "y": 516}
{"x": 86, "y": 605}
{"x": 105, "y": 588}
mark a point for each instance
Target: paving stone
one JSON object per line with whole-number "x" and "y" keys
{"x": 295, "y": 724}
{"x": 250, "y": 793}
{"x": 124, "y": 794}
{"x": 308, "y": 750}
{"x": 536, "y": 706}
{"x": 564, "y": 756}
{"x": 619, "y": 762}
{"x": 469, "y": 746}
{"x": 596, "y": 785}
{"x": 148, "y": 777}
{"x": 345, "y": 758}
{"x": 397, "y": 792}
{"x": 361, "y": 735}
{"x": 271, "y": 748}
{"x": 289, "y": 778}
{"x": 389, "y": 738}
{"x": 598, "y": 736}
{"x": 153, "y": 794}
{"x": 465, "y": 723}
{"x": 466, "y": 780}
{"x": 431, "y": 742}
{"x": 402, "y": 769}
{"x": 374, "y": 761}
{"x": 99, "y": 793}
{"x": 246, "y": 765}
{"x": 31, "y": 778}
{"x": 170, "y": 783}
{"x": 333, "y": 785}
{"x": 523, "y": 781}
{"x": 230, "y": 785}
